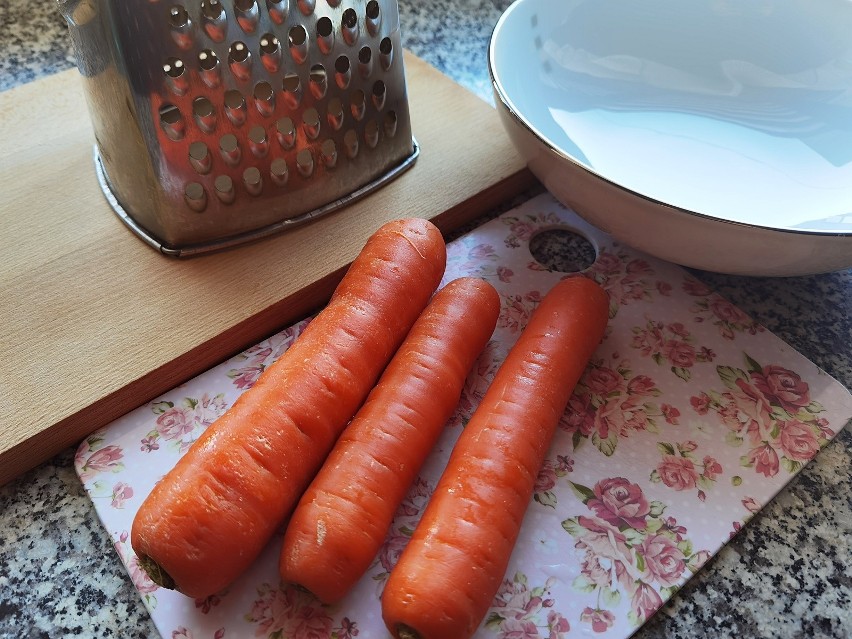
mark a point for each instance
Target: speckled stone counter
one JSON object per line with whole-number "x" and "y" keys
{"x": 787, "y": 574}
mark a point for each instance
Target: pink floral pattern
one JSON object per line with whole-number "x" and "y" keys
{"x": 681, "y": 470}
{"x": 281, "y": 612}
{"x": 610, "y": 402}
{"x": 180, "y": 425}
{"x": 715, "y": 309}
{"x": 626, "y": 278}
{"x": 628, "y": 550}
{"x": 769, "y": 410}
{"x": 672, "y": 345}
{"x": 522, "y": 612}
{"x": 616, "y": 522}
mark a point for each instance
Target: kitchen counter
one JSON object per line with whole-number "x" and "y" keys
{"x": 786, "y": 574}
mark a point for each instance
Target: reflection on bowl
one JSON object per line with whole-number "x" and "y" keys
{"x": 714, "y": 133}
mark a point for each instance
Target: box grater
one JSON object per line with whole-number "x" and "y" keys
{"x": 218, "y": 122}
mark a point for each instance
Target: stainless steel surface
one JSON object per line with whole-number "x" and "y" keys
{"x": 221, "y": 121}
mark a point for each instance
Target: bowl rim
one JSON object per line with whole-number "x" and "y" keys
{"x": 513, "y": 111}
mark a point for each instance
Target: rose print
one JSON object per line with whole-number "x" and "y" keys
{"x": 517, "y": 310}
{"x": 770, "y": 408}
{"x": 521, "y": 612}
{"x": 610, "y": 402}
{"x": 670, "y": 344}
{"x": 257, "y": 358}
{"x": 600, "y": 620}
{"x": 624, "y": 277}
{"x": 546, "y": 480}
{"x": 121, "y": 492}
{"x": 521, "y": 229}
{"x": 628, "y": 549}
{"x": 93, "y": 458}
{"x": 180, "y": 425}
{"x": 680, "y": 470}
{"x": 713, "y": 308}
{"x": 280, "y": 611}
{"x": 619, "y": 502}
{"x": 663, "y": 559}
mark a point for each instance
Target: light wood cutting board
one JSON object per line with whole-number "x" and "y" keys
{"x": 96, "y": 323}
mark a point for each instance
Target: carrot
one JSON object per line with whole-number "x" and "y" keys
{"x": 343, "y": 517}
{"x": 455, "y": 561}
{"x": 208, "y": 518}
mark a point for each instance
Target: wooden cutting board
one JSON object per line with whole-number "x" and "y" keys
{"x": 96, "y": 323}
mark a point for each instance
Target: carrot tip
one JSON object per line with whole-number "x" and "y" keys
{"x": 156, "y": 573}
{"x": 404, "y": 631}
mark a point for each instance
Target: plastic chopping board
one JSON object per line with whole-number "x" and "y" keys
{"x": 688, "y": 420}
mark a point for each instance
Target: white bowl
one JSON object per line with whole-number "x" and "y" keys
{"x": 715, "y": 134}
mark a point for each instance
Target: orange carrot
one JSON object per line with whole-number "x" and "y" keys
{"x": 343, "y": 517}
{"x": 209, "y": 518}
{"x": 451, "y": 569}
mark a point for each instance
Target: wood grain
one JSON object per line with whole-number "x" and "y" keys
{"x": 96, "y": 323}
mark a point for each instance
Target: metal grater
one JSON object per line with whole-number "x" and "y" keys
{"x": 218, "y": 122}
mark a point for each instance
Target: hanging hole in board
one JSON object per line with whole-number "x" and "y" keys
{"x": 562, "y": 250}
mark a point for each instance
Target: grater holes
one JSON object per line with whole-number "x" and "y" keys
{"x": 181, "y": 26}
{"x": 279, "y": 172}
{"x": 172, "y": 122}
{"x": 342, "y": 72}
{"x": 195, "y": 196}
{"x": 365, "y": 62}
{"x": 229, "y": 149}
{"x": 305, "y": 163}
{"x": 239, "y": 60}
{"x": 328, "y": 154}
{"x": 264, "y": 98}
{"x": 335, "y": 113}
{"x": 176, "y": 76}
{"x": 253, "y": 180}
{"x": 380, "y": 93}
{"x": 325, "y": 34}
{"x": 298, "y": 42}
{"x": 374, "y": 17}
{"x": 311, "y": 123}
{"x": 292, "y": 87}
{"x": 200, "y": 158}
{"x": 204, "y": 113}
{"x": 214, "y": 19}
{"x": 386, "y": 53}
{"x": 349, "y": 26}
{"x": 223, "y": 186}
{"x": 285, "y": 131}
{"x": 390, "y": 123}
{"x": 258, "y": 142}
{"x": 371, "y": 134}
{"x": 178, "y": 17}
{"x": 235, "y": 107}
{"x": 350, "y": 144}
{"x": 358, "y": 104}
{"x": 247, "y": 14}
{"x": 209, "y": 68}
{"x": 318, "y": 81}
{"x": 270, "y": 52}
{"x": 277, "y": 10}
{"x": 306, "y": 6}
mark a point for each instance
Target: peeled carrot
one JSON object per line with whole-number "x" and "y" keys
{"x": 343, "y": 517}
{"x": 209, "y": 517}
{"x": 456, "y": 559}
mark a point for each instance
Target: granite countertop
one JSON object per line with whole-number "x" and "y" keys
{"x": 786, "y": 574}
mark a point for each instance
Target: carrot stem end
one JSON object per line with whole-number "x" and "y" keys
{"x": 156, "y": 573}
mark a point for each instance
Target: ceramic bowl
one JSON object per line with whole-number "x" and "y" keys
{"x": 716, "y": 134}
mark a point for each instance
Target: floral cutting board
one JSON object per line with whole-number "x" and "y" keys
{"x": 688, "y": 420}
